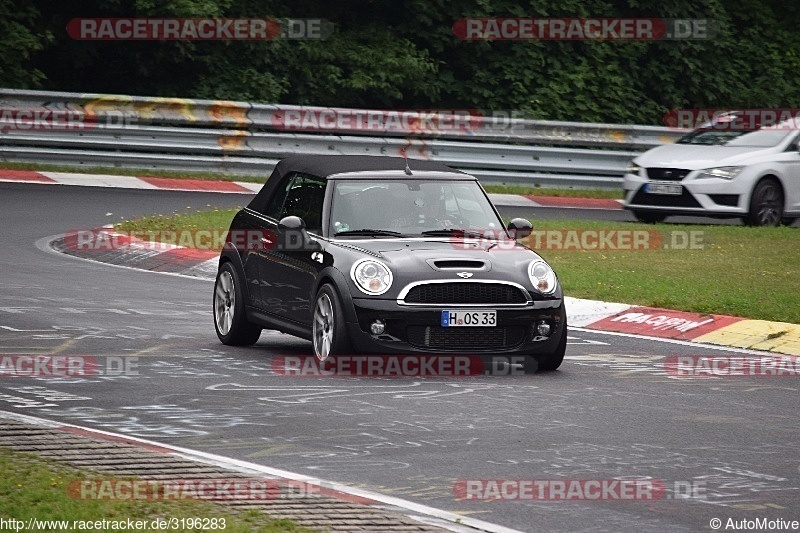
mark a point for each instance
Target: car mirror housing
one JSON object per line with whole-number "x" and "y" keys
{"x": 292, "y": 235}
{"x": 519, "y": 228}
{"x": 291, "y": 223}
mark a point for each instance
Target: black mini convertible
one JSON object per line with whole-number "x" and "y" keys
{"x": 373, "y": 254}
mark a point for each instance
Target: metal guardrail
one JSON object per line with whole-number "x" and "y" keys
{"x": 242, "y": 138}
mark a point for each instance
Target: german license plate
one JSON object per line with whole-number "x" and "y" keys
{"x": 664, "y": 188}
{"x": 469, "y": 318}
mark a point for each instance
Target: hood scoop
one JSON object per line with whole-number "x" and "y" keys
{"x": 458, "y": 264}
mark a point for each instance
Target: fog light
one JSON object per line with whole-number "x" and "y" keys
{"x": 377, "y": 327}
{"x": 543, "y": 329}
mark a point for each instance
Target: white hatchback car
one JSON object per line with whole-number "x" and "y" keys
{"x": 754, "y": 175}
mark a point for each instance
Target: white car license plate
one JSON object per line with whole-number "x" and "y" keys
{"x": 469, "y": 318}
{"x": 664, "y": 188}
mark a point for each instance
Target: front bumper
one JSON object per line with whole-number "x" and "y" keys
{"x": 417, "y": 329}
{"x": 708, "y": 196}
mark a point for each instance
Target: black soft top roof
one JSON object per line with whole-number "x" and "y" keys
{"x": 324, "y": 166}
{"x": 327, "y": 165}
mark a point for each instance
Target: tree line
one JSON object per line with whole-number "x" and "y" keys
{"x": 404, "y": 54}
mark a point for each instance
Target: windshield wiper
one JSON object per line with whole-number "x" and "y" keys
{"x": 367, "y": 231}
{"x": 452, "y": 231}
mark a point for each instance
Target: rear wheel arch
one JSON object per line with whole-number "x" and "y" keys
{"x": 230, "y": 318}
{"x": 236, "y": 264}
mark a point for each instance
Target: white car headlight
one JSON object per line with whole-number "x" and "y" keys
{"x": 727, "y": 173}
{"x": 371, "y": 276}
{"x": 542, "y": 276}
{"x": 634, "y": 169}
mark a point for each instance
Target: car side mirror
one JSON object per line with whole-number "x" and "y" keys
{"x": 519, "y": 228}
{"x": 292, "y": 223}
{"x": 292, "y": 235}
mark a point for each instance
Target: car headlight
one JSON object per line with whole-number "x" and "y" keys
{"x": 634, "y": 169}
{"x": 542, "y": 276}
{"x": 371, "y": 276}
{"x": 726, "y": 173}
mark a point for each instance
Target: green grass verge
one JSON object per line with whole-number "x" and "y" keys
{"x": 33, "y": 487}
{"x": 189, "y": 219}
{"x": 741, "y": 271}
{"x": 613, "y": 194}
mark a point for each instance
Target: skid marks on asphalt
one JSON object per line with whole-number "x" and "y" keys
{"x": 585, "y": 352}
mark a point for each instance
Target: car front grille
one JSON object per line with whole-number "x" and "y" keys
{"x": 667, "y": 174}
{"x": 685, "y": 199}
{"x": 465, "y": 339}
{"x": 465, "y": 293}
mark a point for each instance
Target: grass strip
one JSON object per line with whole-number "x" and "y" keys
{"x": 35, "y": 487}
{"x": 613, "y": 194}
{"x": 751, "y": 272}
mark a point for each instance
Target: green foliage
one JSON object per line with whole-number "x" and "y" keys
{"x": 390, "y": 54}
{"x": 20, "y": 38}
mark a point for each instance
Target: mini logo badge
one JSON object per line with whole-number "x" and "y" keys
{"x": 464, "y": 275}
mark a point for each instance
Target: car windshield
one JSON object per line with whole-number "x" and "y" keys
{"x": 386, "y": 208}
{"x": 765, "y": 137}
{"x": 709, "y": 137}
{"x": 762, "y": 138}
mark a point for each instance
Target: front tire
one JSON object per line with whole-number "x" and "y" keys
{"x": 649, "y": 217}
{"x": 230, "y": 320}
{"x": 329, "y": 333}
{"x": 766, "y": 204}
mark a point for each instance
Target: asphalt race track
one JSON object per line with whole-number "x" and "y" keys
{"x": 723, "y": 448}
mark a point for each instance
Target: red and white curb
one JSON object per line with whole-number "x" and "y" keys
{"x": 245, "y": 187}
{"x": 128, "y": 182}
{"x": 723, "y": 330}
{"x": 422, "y": 513}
